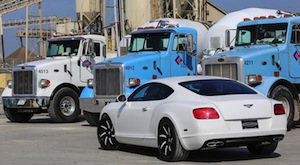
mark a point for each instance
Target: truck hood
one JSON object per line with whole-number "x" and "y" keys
{"x": 252, "y": 51}
{"x": 48, "y": 63}
{"x": 135, "y": 58}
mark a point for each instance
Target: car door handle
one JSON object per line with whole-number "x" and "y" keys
{"x": 145, "y": 109}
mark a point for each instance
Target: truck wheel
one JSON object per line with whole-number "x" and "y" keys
{"x": 64, "y": 107}
{"x": 91, "y": 118}
{"x": 15, "y": 116}
{"x": 283, "y": 94}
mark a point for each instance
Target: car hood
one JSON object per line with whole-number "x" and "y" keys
{"x": 237, "y": 107}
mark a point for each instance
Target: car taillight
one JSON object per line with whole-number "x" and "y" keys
{"x": 279, "y": 109}
{"x": 205, "y": 113}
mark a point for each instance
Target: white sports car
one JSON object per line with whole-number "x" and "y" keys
{"x": 182, "y": 114}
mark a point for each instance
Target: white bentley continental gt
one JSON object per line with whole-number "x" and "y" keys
{"x": 181, "y": 114}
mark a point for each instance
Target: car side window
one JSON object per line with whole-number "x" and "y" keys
{"x": 151, "y": 91}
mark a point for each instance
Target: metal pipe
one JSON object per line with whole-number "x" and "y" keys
{"x": 116, "y": 28}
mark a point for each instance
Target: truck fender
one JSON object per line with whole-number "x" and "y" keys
{"x": 7, "y": 92}
{"x": 269, "y": 83}
{"x": 87, "y": 92}
{"x": 55, "y": 86}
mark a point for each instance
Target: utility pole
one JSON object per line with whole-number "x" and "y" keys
{"x": 116, "y": 28}
{"x": 2, "y": 40}
{"x": 122, "y": 20}
{"x": 26, "y": 42}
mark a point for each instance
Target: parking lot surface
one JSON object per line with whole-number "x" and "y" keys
{"x": 42, "y": 142}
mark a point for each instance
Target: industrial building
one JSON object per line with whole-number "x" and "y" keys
{"x": 92, "y": 17}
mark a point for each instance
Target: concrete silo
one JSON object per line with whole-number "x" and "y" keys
{"x": 88, "y": 14}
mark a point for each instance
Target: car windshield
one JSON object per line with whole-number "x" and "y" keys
{"x": 63, "y": 48}
{"x": 217, "y": 87}
{"x": 261, "y": 34}
{"x": 149, "y": 42}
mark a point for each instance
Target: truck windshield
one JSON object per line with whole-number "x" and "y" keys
{"x": 149, "y": 42}
{"x": 261, "y": 34}
{"x": 63, "y": 48}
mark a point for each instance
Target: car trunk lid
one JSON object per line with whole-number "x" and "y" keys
{"x": 239, "y": 107}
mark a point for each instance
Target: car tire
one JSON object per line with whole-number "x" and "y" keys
{"x": 64, "y": 107}
{"x": 91, "y": 118}
{"x": 15, "y": 116}
{"x": 169, "y": 146}
{"x": 283, "y": 94}
{"x": 262, "y": 149}
{"x": 106, "y": 134}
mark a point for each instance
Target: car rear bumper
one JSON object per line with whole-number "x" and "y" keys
{"x": 230, "y": 139}
{"x": 232, "y": 142}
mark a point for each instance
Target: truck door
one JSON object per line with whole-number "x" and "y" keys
{"x": 181, "y": 62}
{"x": 294, "y": 52}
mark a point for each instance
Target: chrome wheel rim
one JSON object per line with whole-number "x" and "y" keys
{"x": 166, "y": 140}
{"x": 106, "y": 133}
{"x": 67, "y": 106}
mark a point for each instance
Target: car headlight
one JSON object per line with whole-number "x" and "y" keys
{"x": 254, "y": 79}
{"x": 9, "y": 83}
{"x": 44, "y": 83}
{"x": 133, "y": 82}
{"x": 90, "y": 83}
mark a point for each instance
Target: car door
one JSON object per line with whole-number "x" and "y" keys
{"x": 133, "y": 120}
{"x": 294, "y": 52}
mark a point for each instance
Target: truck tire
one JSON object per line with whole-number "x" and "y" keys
{"x": 64, "y": 107}
{"x": 283, "y": 94}
{"x": 91, "y": 118}
{"x": 15, "y": 116}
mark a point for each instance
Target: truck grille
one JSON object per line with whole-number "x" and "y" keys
{"x": 23, "y": 82}
{"x": 108, "y": 81}
{"x": 222, "y": 70}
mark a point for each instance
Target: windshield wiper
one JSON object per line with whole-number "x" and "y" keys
{"x": 245, "y": 44}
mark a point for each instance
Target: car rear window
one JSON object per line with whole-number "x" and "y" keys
{"x": 217, "y": 87}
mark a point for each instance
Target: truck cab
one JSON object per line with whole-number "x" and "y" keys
{"x": 53, "y": 85}
{"x": 153, "y": 53}
{"x": 266, "y": 57}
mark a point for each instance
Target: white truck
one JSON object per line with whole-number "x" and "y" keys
{"x": 53, "y": 85}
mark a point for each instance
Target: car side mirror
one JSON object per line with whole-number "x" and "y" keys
{"x": 121, "y": 98}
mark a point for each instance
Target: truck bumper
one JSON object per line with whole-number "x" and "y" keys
{"x": 26, "y": 104}
{"x": 91, "y": 105}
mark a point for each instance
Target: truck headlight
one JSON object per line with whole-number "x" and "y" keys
{"x": 133, "y": 82}
{"x": 9, "y": 83}
{"x": 254, "y": 79}
{"x": 44, "y": 83}
{"x": 90, "y": 83}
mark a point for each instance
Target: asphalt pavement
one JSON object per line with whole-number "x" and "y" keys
{"x": 43, "y": 142}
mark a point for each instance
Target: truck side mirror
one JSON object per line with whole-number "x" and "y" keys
{"x": 190, "y": 44}
{"x": 104, "y": 50}
{"x": 227, "y": 38}
{"x": 89, "y": 49}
